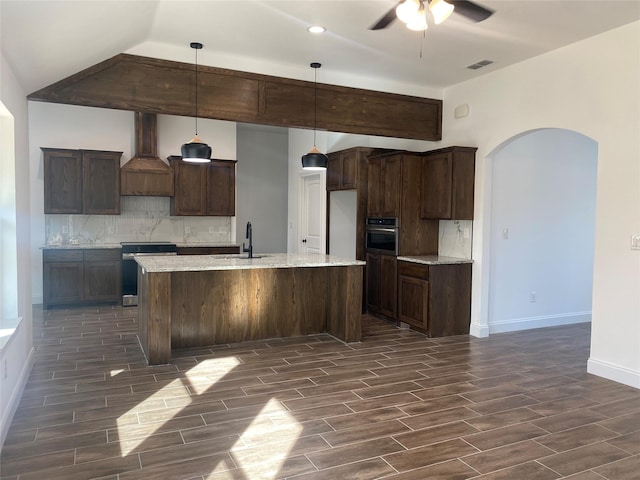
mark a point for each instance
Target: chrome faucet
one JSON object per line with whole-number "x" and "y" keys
{"x": 250, "y": 237}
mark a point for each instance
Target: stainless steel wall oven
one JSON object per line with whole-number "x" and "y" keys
{"x": 382, "y": 235}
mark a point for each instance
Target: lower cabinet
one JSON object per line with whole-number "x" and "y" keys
{"x": 81, "y": 276}
{"x": 381, "y": 284}
{"x": 435, "y": 299}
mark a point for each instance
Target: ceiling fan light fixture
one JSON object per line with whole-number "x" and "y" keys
{"x": 315, "y": 160}
{"x": 408, "y": 9}
{"x": 419, "y": 22}
{"x": 196, "y": 151}
{"x": 440, "y": 10}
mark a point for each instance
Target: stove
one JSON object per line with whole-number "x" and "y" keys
{"x": 130, "y": 250}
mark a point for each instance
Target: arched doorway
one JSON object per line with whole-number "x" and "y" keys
{"x": 542, "y": 229}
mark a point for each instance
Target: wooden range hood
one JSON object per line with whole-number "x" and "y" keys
{"x": 146, "y": 173}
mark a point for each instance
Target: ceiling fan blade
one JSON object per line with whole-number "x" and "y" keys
{"x": 384, "y": 22}
{"x": 471, "y": 10}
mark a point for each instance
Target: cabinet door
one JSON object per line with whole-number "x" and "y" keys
{"x": 391, "y": 181}
{"x": 102, "y": 275}
{"x": 62, "y": 277}
{"x": 334, "y": 171}
{"x": 374, "y": 198}
{"x": 373, "y": 282}
{"x": 413, "y": 298}
{"x": 62, "y": 181}
{"x": 190, "y": 193}
{"x": 221, "y": 188}
{"x": 349, "y": 170}
{"x": 437, "y": 171}
{"x": 101, "y": 182}
{"x": 388, "y": 285}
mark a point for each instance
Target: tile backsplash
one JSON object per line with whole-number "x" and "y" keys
{"x": 142, "y": 219}
{"x": 455, "y": 238}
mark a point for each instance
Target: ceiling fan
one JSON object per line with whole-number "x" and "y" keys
{"x": 413, "y": 12}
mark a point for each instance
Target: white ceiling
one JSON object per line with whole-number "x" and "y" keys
{"x": 46, "y": 41}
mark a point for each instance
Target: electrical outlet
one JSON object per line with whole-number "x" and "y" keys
{"x": 65, "y": 229}
{"x": 635, "y": 242}
{"x": 505, "y": 233}
{"x": 533, "y": 297}
{"x": 211, "y": 230}
{"x": 111, "y": 230}
{"x": 187, "y": 230}
{"x": 465, "y": 233}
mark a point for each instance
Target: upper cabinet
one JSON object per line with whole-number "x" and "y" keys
{"x": 81, "y": 181}
{"x": 204, "y": 189}
{"x": 384, "y": 186}
{"x": 345, "y": 169}
{"x": 448, "y": 183}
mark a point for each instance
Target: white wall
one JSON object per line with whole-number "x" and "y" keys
{"x": 590, "y": 87}
{"x": 543, "y": 211}
{"x": 262, "y": 186}
{"x": 17, "y": 355}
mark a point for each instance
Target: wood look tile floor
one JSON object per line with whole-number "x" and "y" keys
{"x": 397, "y": 405}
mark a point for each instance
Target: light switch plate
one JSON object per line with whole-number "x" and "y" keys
{"x": 635, "y": 242}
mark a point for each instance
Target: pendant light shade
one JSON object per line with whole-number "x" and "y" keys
{"x": 315, "y": 160}
{"x": 196, "y": 151}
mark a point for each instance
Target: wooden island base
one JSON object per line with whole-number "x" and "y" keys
{"x": 181, "y": 309}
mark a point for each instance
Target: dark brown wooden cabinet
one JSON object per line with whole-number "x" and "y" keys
{"x": 81, "y": 276}
{"x": 81, "y": 181}
{"x": 384, "y": 186}
{"x": 381, "y": 275}
{"x": 448, "y": 183}
{"x": 435, "y": 299}
{"x": 394, "y": 191}
{"x": 346, "y": 169}
{"x": 204, "y": 189}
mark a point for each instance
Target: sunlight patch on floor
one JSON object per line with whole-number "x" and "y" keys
{"x": 136, "y": 434}
{"x": 206, "y": 373}
{"x": 265, "y": 460}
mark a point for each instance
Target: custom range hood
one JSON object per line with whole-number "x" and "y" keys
{"x": 146, "y": 173}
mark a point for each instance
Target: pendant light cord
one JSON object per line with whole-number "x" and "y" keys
{"x": 196, "y": 92}
{"x": 315, "y": 104}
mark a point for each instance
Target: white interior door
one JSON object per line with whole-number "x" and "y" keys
{"x": 312, "y": 215}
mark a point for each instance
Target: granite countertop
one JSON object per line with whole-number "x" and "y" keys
{"x": 435, "y": 260}
{"x": 84, "y": 246}
{"x": 199, "y": 263}
{"x": 118, "y": 245}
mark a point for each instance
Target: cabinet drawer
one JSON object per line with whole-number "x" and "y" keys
{"x": 62, "y": 255}
{"x": 414, "y": 270}
{"x": 103, "y": 255}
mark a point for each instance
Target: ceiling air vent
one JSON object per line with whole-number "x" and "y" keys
{"x": 480, "y": 64}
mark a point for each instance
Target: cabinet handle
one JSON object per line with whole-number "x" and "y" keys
{"x": 304, "y": 240}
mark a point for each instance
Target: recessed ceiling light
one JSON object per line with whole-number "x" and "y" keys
{"x": 316, "y": 29}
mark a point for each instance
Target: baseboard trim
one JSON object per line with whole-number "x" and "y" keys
{"x": 614, "y": 372}
{"x": 516, "y": 324}
{"x": 14, "y": 400}
{"x": 477, "y": 330}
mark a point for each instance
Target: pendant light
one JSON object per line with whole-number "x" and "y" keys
{"x": 196, "y": 151}
{"x": 314, "y": 160}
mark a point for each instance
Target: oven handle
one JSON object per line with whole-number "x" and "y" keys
{"x": 379, "y": 229}
{"x": 132, "y": 256}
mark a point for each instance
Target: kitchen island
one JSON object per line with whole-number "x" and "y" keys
{"x": 198, "y": 300}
